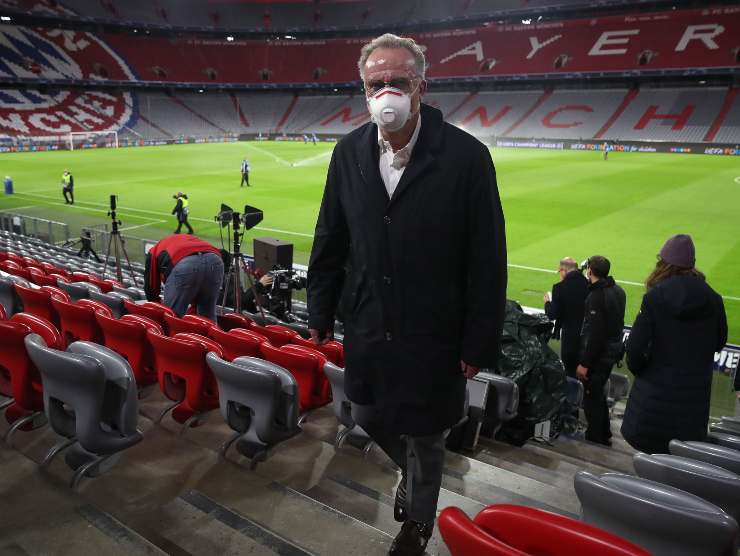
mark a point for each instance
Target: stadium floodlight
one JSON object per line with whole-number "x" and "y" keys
{"x": 229, "y": 38}
{"x": 290, "y": 37}
{"x": 526, "y": 21}
{"x": 5, "y": 18}
{"x": 73, "y": 135}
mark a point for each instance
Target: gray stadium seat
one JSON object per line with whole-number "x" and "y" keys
{"x": 619, "y": 387}
{"x": 90, "y": 398}
{"x": 660, "y": 518}
{"x": 727, "y": 425}
{"x": 8, "y": 298}
{"x": 259, "y": 400}
{"x": 114, "y": 300}
{"x": 134, "y": 293}
{"x": 352, "y": 432}
{"x": 723, "y": 439}
{"x": 574, "y": 391}
{"x": 502, "y": 403}
{"x": 714, "y": 484}
{"x": 77, "y": 290}
{"x": 710, "y": 453}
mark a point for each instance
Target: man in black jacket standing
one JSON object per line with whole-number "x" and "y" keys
{"x": 601, "y": 345}
{"x": 565, "y": 306}
{"x": 411, "y": 234}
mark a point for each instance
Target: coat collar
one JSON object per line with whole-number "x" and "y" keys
{"x": 427, "y": 146}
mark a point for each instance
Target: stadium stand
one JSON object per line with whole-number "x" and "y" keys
{"x": 648, "y": 114}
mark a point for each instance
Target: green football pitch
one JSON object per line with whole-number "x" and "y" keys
{"x": 556, "y": 203}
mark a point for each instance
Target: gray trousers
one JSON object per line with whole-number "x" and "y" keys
{"x": 196, "y": 278}
{"x": 421, "y": 459}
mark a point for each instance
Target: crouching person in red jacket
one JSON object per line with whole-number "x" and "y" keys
{"x": 191, "y": 270}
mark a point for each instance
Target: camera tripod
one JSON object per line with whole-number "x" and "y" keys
{"x": 236, "y": 268}
{"x": 115, "y": 241}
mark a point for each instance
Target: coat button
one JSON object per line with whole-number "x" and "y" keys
{"x": 387, "y": 219}
{"x": 387, "y": 280}
{"x": 388, "y": 336}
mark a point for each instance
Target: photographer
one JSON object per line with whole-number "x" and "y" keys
{"x": 86, "y": 250}
{"x": 601, "y": 345}
{"x": 181, "y": 210}
{"x": 192, "y": 271}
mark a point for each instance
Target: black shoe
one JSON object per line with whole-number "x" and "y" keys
{"x": 399, "y": 508}
{"x": 412, "y": 540}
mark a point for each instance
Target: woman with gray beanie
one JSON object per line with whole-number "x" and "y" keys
{"x": 681, "y": 324}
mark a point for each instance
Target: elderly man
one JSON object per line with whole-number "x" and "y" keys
{"x": 565, "y": 306}
{"x": 411, "y": 234}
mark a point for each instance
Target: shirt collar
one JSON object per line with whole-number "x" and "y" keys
{"x": 401, "y": 156}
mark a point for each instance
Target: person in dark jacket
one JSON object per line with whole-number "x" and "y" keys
{"x": 565, "y": 306}
{"x": 192, "y": 271}
{"x": 181, "y": 211}
{"x": 403, "y": 194}
{"x": 601, "y": 345}
{"x": 670, "y": 350}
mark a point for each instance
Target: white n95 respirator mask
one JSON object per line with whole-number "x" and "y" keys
{"x": 390, "y": 108}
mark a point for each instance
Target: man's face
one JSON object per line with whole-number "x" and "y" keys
{"x": 562, "y": 273}
{"x": 394, "y": 67}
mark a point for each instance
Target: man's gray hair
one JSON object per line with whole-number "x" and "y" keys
{"x": 389, "y": 40}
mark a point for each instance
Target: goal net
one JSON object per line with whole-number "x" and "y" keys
{"x": 92, "y": 139}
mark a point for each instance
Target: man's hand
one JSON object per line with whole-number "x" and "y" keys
{"x": 547, "y": 297}
{"x": 266, "y": 280}
{"x": 321, "y": 337}
{"x": 582, "y": 373}
{"x": 468, "y": 370}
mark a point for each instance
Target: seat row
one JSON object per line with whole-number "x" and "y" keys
{"x": 261, "y": 396}
{"x": 686, "y": 503}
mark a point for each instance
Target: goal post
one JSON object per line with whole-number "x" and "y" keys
{"x": 78, "y": 137}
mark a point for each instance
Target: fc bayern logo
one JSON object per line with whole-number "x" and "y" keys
{"x": 56, "y": 54}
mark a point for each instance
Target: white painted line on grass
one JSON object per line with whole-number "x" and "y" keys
{"x": 305, "y": 161}
{"x": 141, "y": 225}
{"x": 550, "y": 271}
{"x": 271, "y": 155}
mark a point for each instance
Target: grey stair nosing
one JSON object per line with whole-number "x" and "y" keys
{"x": 250, "y": 528}
{"x": 116, "y": 530}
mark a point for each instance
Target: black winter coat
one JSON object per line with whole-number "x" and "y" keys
{"x": 566, "y": 309}
{"x": 603, "y": 327}
{"x": 419, "y": 278}
{"x": 681, "y": 324}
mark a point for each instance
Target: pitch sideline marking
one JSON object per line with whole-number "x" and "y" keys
{"x": 271, "y": 155}
{"x": 305, "y": 161}
{"x": 18, "y": 208}
{"x": 141, "y": 225}
{"x": 300, "y": 234}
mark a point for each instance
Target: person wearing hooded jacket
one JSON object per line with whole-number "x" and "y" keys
{"x": 681, "y": 324}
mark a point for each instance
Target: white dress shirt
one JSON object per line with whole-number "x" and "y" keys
{"x": 392, "y": 164}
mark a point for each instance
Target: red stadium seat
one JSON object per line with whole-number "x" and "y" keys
{"x": 237, "y": 342}
{"x": 39, "y": 277}
{"x": 127, "y": 336}
{"x": 77, "y": 321}
{"x": 78, "y": 276}
{"x": 232, "y": 320}
{"x": 38, "y": 301}
{"x": 29, "y": 261}
{"x": 19, "y": 377}
{"x": 278, "y": 335}
{"x": 189, "y": 323}
{"x": 149, "y": 309}
{"x": 306, "y": 366}
{"x": 183, "y": 374}
{"x": 509, "y": 530}
{"x": 13, "y": 267}
{"x": 334, "y": 351}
